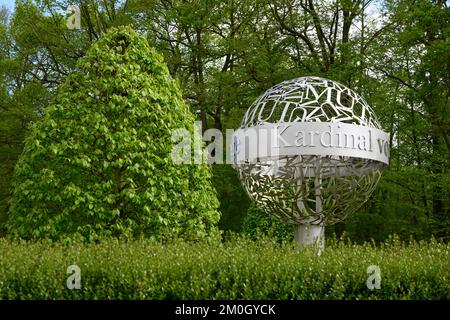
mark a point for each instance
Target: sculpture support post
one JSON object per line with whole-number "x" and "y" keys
{"x": 308, "y": 234}
{"x": 312, "y": 234}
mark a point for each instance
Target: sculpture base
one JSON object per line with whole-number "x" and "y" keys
{"x": 310, "y": 234}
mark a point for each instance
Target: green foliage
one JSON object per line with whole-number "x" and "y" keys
{"x": 257, "y": 224}
{"x": 232, "y": 197}
{"x": 411, "y": 100}
{"x": 16, "y": 113}
{"x": 99, "y": 162}
{"x": 238, "y": 269}
{"x": 226, "y": 53}
{"x": 404, "y": 216}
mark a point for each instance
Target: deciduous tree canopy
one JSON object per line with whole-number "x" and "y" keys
{"x": 226, "y": 53}
{"x": 99, "y": 162}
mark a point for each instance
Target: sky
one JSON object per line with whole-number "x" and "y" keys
{"x": 7, "y": 3}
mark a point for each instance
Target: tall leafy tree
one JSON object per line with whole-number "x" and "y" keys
{"x": 99, "y": 162}
{"x": 410, "y": 60}
{"x": 226, "y": 53}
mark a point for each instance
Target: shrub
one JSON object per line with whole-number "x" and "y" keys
{"x": 99, "y": 162}
{"x": 237, "y": 269}
{"x": 257, "y": 223}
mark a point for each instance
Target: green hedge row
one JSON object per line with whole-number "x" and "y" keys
{"x": 235, "y": 269}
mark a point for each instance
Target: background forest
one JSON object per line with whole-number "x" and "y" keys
{"x": 396, "y": 53}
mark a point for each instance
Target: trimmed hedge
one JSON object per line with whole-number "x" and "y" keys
{"x": 236, "y": 269}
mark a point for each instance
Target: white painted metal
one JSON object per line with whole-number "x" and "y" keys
{"x": 274, "y": 140}
{"x": 310, "y": 234}
{"x": 310, "y": 151}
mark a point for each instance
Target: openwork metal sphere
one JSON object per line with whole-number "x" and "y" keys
{"x": 330, "y": 158}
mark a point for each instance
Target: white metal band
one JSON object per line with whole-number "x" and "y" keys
{"x": 275, "y": 140}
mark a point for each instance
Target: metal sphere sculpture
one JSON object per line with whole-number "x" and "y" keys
{"x": 310, "y": 151}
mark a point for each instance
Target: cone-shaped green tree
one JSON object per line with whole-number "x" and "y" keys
{"x": 99, "y": 162}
